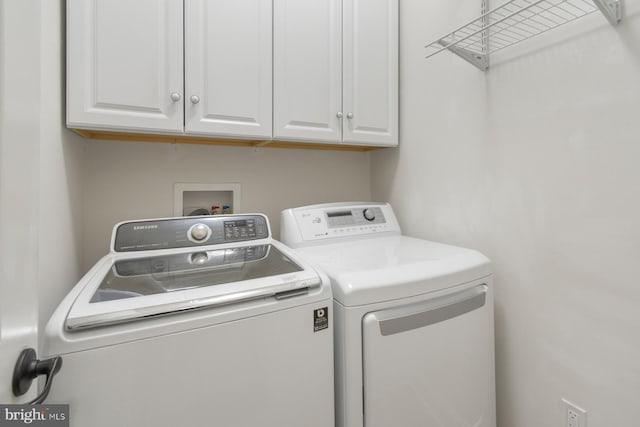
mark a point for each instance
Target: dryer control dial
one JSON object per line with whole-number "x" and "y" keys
{"x": 199, "y": 232}
{"x": 368, "y": 214}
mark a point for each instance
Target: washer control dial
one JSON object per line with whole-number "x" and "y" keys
{"x": 199, "y": 232}
{"x": 368, "y": 214}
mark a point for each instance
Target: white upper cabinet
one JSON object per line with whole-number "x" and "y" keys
{"x": 336, "y": 71}
{"x": 124, "y": 64}
{"x": 228, "y": 67}
{"x": 307, "y": 86}
{"x": 370, "y": 72}
{"x": 318, "y": 71}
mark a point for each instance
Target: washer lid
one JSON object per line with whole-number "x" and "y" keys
{"x": 135, "y": 287}
{"x": 367, "y": 271}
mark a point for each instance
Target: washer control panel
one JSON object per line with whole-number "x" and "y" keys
{"x": 337, "y": 220}
{"x": 185, "y": 232}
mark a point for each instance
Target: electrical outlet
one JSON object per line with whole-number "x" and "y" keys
{"x": 573, "y": 416}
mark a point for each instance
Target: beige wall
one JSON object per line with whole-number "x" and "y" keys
{"x": 131, "y": 180}
{"x": 534, "y": 163}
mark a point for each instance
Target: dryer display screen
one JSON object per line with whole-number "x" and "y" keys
{"x": 339, "y": 214}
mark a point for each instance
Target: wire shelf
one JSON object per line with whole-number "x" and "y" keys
{"x": 514, "y": 22}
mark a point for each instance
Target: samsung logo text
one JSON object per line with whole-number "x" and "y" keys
{"x": 145, "y": 227}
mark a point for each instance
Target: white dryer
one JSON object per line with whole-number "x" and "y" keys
{"x": 414, "y": 342}
{"x": 196, "y": 321}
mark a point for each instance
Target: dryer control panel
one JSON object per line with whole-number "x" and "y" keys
{"x": 335, "y": 220}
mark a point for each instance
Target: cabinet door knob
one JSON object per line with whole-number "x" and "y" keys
{"x": 175, "y": 96}
{"x": 195, "y": 99}
{"x": 339, "y": 114}
{"x": 349, "y": 115}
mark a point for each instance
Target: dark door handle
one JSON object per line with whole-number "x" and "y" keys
{"x": 28, "y": 368}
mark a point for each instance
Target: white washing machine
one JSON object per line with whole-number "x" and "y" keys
{"x": 198, "y": 321}
{"x": 414, "y": 343}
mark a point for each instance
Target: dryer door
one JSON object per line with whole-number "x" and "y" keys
{"x": 431, "y": 363}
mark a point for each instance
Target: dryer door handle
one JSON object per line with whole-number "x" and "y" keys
{"x": 418, "y": 315}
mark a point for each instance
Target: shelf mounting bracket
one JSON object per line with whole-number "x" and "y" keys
{"x": 479, "y": 60}
{"x": 611, "y": 9}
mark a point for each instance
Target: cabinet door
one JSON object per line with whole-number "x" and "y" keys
{"x": 228, "y": 63}
{"x": 370, "y": 72}
{"x": 307, "y": 70}
{"x": 124, "y": 64}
